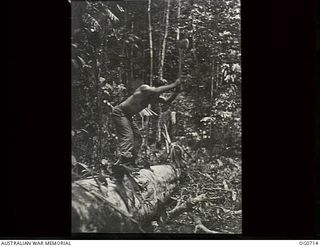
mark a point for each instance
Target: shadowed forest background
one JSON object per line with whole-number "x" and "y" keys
{"x": 114, "y": 43}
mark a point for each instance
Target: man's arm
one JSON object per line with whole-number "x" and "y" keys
{"x": 161, "y": 89}
{"x": 169, "y": 100}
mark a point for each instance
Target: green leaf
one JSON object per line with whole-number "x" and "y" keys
{"x": 206, "y": 119}
{"x": 112, "y": 16}
{"x": 120, "y": 8}
{"x": 101, "y": 79}
{"x": 225, "y": 185}
{"x": 234, "y": 195}
{"x": 108, "y": 86}
{"x": 82, "y": 61}
{"x": 104, "y": 162}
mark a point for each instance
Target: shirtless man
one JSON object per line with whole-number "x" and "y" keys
{"x": 128, "y": 132}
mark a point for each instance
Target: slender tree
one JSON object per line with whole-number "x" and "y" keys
{"x": 150, "y": 42}
{"x": 194, "y": 42}
{"x": 163, "y": 53}
{"x": 124, "y": 53}
{"x": 164, "y": 42}
{"x": 131, "y": 53}
{"x": 163, "y": 21}
{"x": 178, "y": 37}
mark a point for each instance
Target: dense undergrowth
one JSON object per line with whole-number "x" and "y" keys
{"x": 220, "y": 180}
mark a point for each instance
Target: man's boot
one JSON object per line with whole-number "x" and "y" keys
{"x": 125, "y": 164}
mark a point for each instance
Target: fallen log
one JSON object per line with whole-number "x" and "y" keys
{"x": 119, "y": 206}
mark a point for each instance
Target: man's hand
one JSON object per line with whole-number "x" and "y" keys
{"x": 147, "y": 89}
{"x": 179, "y": 82}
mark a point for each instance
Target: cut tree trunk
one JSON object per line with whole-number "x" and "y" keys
{"x": 104, "y": 205}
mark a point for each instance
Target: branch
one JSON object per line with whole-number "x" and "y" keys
{"x": 230, "y": 211}
{"x": 193, "y": 159}
{"x": 200, "y": 226}
{"x": 206, "y": 175}
{"x": 188, "y": 204}
{"x": 212, "y": 189}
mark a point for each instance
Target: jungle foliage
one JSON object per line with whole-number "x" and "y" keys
{"x": 200, "y": 131}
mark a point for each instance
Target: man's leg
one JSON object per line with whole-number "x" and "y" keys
{"x": 125, "y": 135}
{"x": 144, "y": 162}
{"x": 137, "y": 138}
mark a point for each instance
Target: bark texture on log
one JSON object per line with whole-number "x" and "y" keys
{"x": 114, "y": 207}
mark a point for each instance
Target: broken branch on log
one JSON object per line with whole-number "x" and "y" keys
{"x": 189, "y": 203}
{"x": 229, "y": 211}
{"x": 212, "y": 189}
{"x": 200, "y": 226}
{"x": 206, "y": 175}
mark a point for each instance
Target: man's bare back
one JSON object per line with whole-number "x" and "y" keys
{"x": 139, "y": 100}
{"x": 145, "y": 95}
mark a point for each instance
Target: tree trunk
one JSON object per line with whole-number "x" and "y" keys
{"x": 160, "y": 43}
{"x": 221, "y": 76}
{"x": 127, "y": 66}
{"x": 194, "y": 43}
{"x": 131, "y": 54}
{"x": 212, "y": 79}
{"x": 212, "y": 90}
{"x": 163, "y": 53}
{"x": 124, "y": 58}
{"x": 150, "y": 42}
{"x": 178, "y": 38}
{"x": 115, "y": 207}
{"x": 178, "y": 17}
{"x": 147, "y": 122}
{"x": 96, "y": 73}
